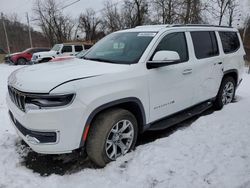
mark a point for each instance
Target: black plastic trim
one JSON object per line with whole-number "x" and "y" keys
{"x": 200, "y": 25}
{"x": 180, "y": 116}
{"x": 109, "y": 105}
{"x": 232, "y": 71}
{"x": 43, "y": 137}
{"x": 153, "y": 65}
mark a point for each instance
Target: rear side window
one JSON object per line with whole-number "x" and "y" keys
{"x": 205, "y": 44}
{"x": 175, "y": 42}
{"x": 66, "y": 49}
{"x": 230, "y": 41}
{"x": 78, "y": 48}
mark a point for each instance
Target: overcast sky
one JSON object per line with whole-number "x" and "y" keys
{"x": 21, "y": 6}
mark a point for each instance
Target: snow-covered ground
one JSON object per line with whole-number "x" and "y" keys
{"x": 213, "y": 152}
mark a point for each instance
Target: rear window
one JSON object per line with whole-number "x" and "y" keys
{"x": 78, "y": 48}
{"x": 230, "y": 41}
{"x": 205, "y": 44}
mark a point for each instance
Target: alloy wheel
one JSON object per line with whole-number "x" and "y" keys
{"x": 120, "y": 139}
{"x": 228, "y": 93}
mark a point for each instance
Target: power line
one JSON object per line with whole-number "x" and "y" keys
{"x": 70, "y": 4}
{"x": 112, "y": 5}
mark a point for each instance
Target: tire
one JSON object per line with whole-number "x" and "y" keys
{"x": 104, "y": 136}
{"x": 225, "y": 94}
{"x": 21, "y": 61}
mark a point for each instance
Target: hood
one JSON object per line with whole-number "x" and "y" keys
{"x": 43, "y": 54}
{"x": 17, "y": 53}
{"x": 42, "y": 78}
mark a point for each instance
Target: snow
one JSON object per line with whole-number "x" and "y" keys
{"x": 213, "y": 152}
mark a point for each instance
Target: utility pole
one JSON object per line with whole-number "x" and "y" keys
{"x": 246, "y": 27}
{"x": 5, "y": 32}
{"x": 28, "y": 20}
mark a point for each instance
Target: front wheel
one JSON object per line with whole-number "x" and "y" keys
{"x": 112, "y": 134}
{"x": 21, "y": 61}
{"x": 226, "y": 93}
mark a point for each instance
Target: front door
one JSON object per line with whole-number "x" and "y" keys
{"x": 170, "y": 87}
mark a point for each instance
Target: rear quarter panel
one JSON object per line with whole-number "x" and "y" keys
{"x": 235, "y": 60}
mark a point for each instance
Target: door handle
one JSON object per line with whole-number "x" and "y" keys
{"x": 187, "y": 71}
{"x": 219, "y": 63}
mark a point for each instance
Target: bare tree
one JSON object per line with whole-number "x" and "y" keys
{"x": 166, "y": 10}
{"x": 112, "y": 19}
{"x": 191, "y": 11}
{"x": 56, "y": 26}
{"x": 89, "y": 23}
{"x": 219, "y": 9}
{"x": 18, "y": 35}
{"x": 232, "y": 10}
{"x": 135, "y": 12}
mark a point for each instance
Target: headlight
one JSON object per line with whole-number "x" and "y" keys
{"x": 47, "y": 101}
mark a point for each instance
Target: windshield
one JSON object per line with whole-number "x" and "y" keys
{"x": 56, "y": 47}
{"x": 27, "y": 50}
{"x": 120, "y": 48}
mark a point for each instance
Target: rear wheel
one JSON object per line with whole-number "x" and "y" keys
{"x": 226, "y": 92}
{"x": 112, "y": 134}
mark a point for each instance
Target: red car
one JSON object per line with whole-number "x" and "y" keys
{"x": 21, "y": 58}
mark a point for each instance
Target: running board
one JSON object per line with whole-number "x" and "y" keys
{"x": 180, "y": 116}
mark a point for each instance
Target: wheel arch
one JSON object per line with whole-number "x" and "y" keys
{"x": 233, "y": 73}
{"x": 21, "y": 57}
{"x": 132, "y": 104}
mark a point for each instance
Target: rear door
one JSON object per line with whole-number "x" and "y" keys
{"x": 207, "y": 70}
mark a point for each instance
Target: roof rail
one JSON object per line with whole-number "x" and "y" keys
{"x": 199, "y": 25}
{"x": 160, "y": 25}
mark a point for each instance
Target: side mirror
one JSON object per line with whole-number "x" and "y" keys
{"x": 163, "y": 58}
{"x": 57, "y": 53}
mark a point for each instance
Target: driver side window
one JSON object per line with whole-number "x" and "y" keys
{"x": 175, "y": 42}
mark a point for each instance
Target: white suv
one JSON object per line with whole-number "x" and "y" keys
{"x": 57, "y": 51}
{"x": 145, "y": 78}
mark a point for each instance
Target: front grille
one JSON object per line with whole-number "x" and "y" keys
{"x": 43, "y": 137}
{"x": 17, "y": 97}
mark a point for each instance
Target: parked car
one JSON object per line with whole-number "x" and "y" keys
{"x": 21, "y": 58}
{"x": 58, "y": 50}
{"x": 64, "y": 58}
{"x": 145, "y": 78}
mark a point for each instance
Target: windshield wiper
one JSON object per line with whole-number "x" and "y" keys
{"x": 100, "y": 60}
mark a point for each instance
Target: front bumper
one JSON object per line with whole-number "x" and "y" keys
{"x": 34, "y": 136}
{"x": 50, "y": 131}
{"x": 8, "y": 60}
